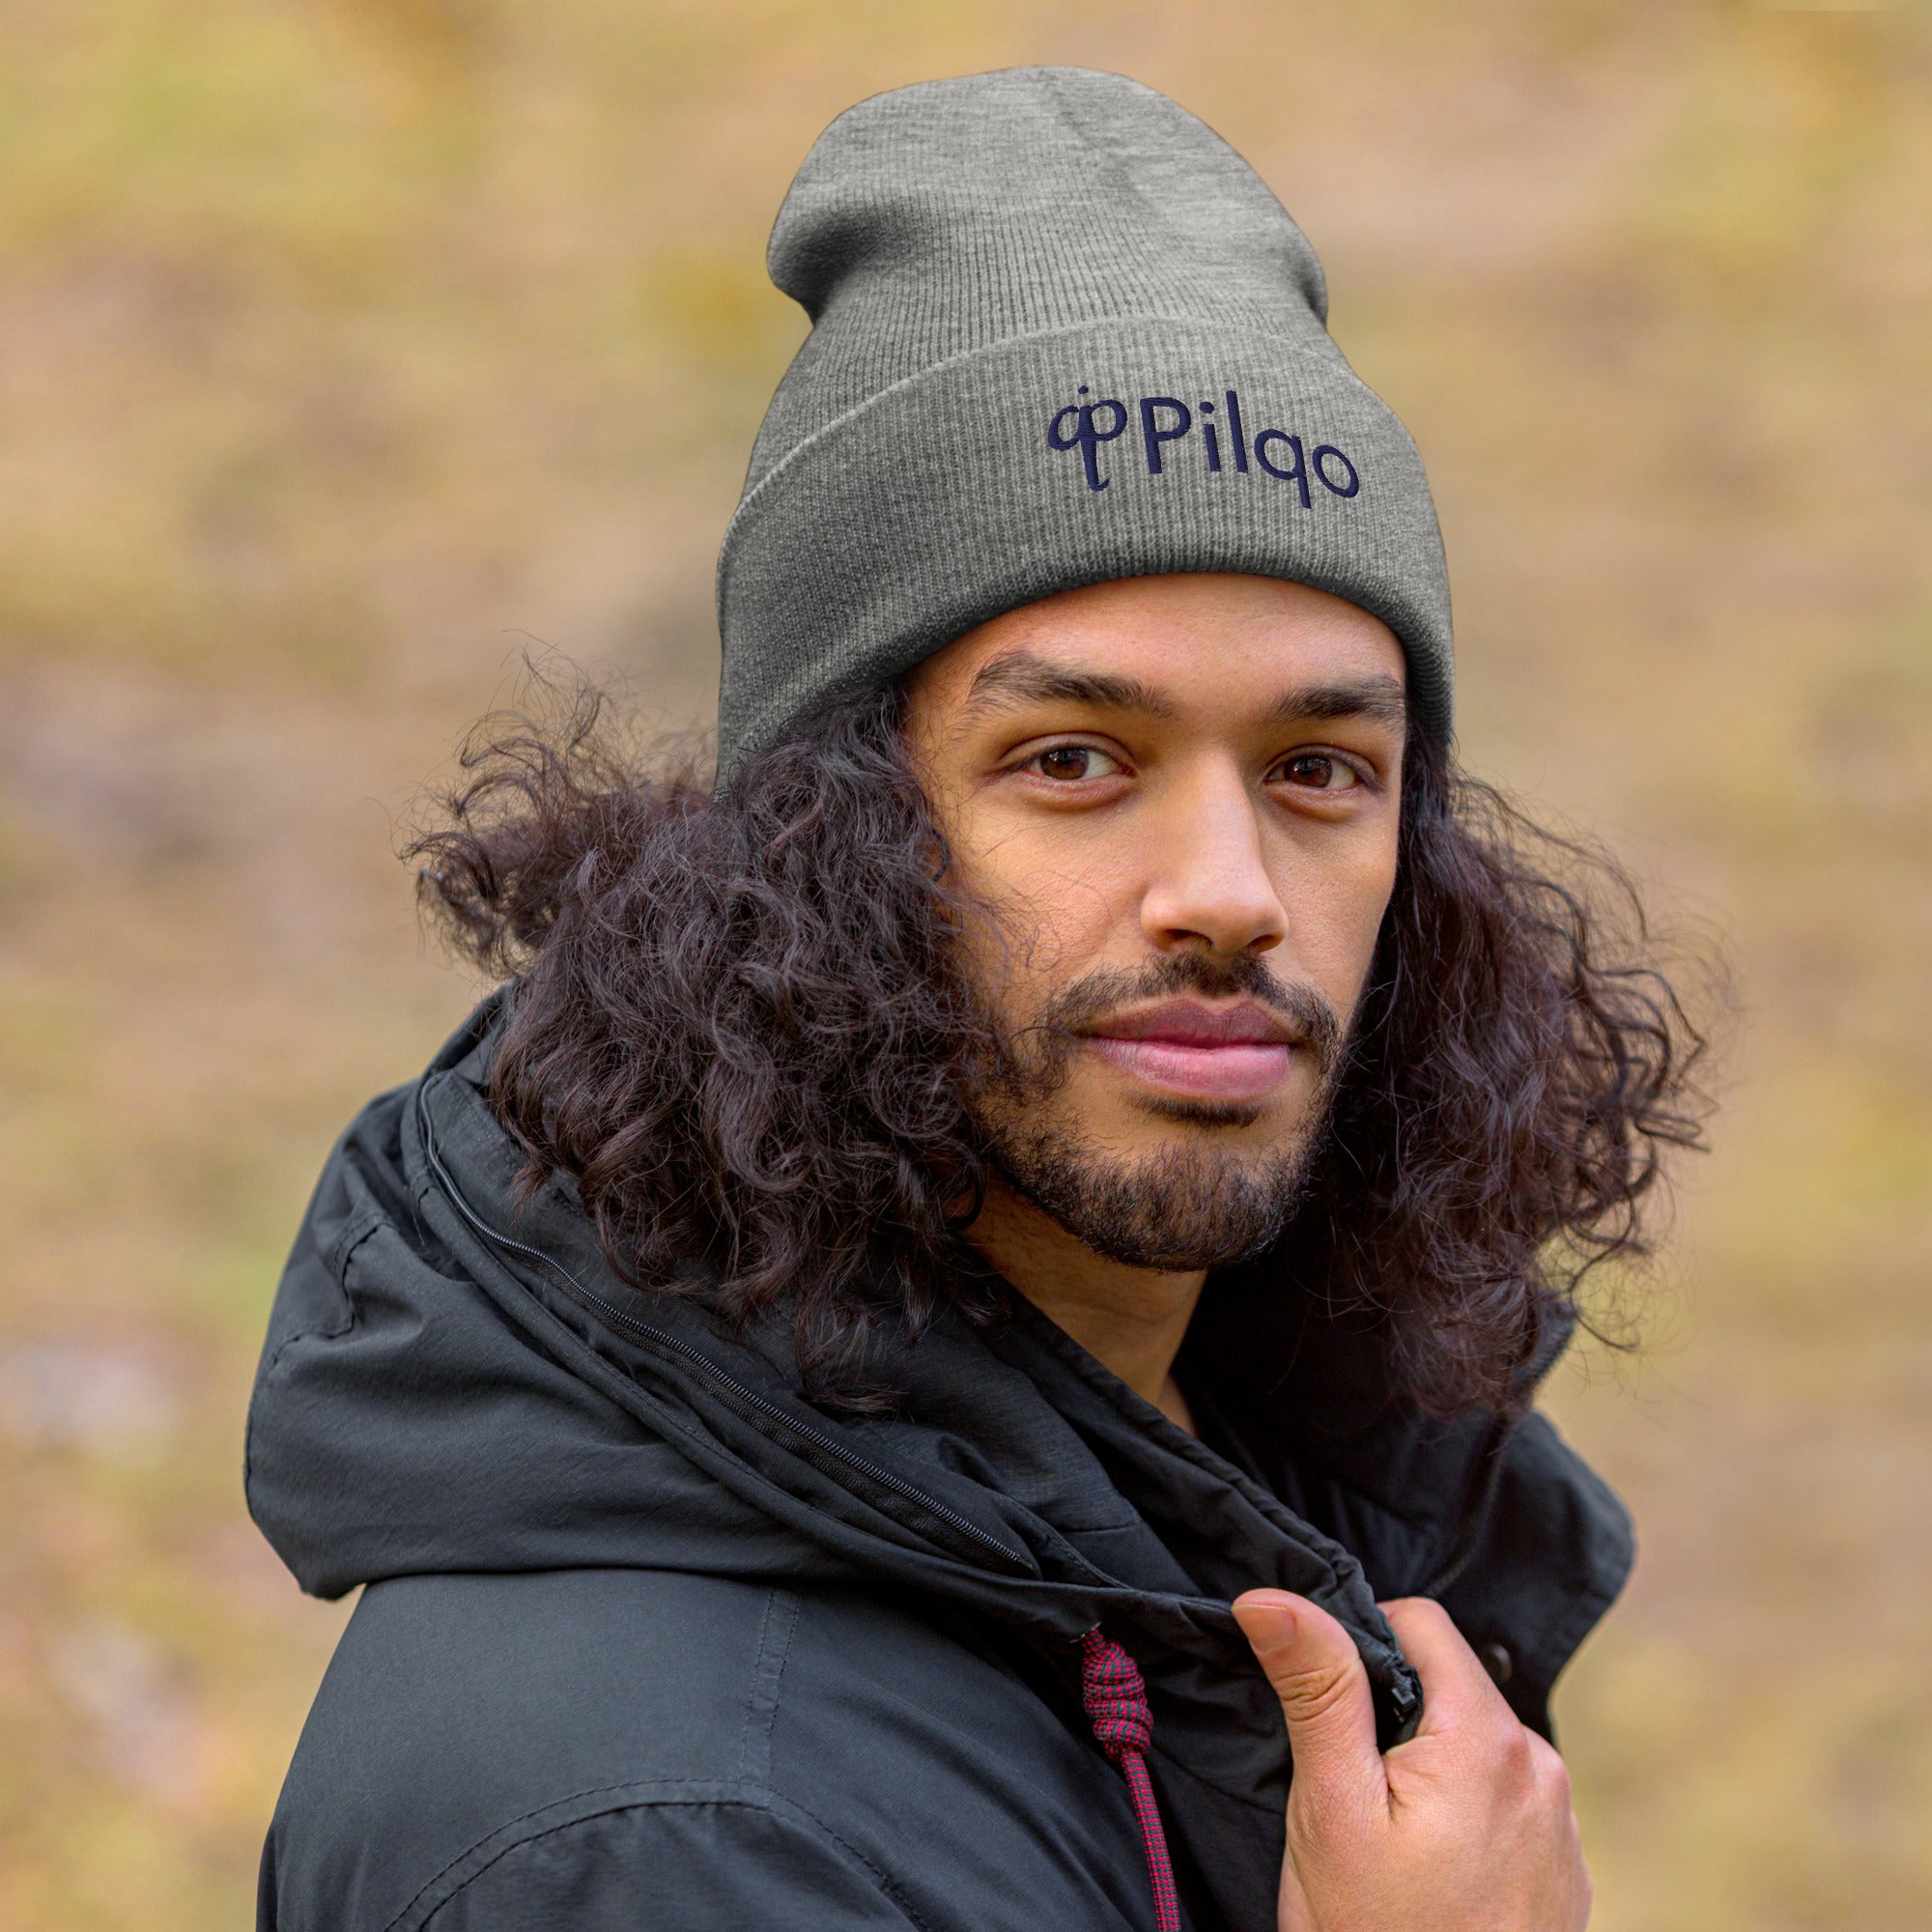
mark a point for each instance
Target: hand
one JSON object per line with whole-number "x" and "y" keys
{"x": 1466, "y": 1828}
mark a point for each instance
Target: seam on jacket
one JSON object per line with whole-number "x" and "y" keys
{"x": 761, "y": 1706}
{"x": 645, "y": 1795}
{"x": 784, "y": 1806}
{"x": 334, "y": 1259}
{"x": 506, "y": 1836}
{"x": 356, "y": 1230}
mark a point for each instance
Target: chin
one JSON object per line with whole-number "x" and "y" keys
{"x": 1232, "y": 1136}
{"x": 1144, "y": 1120}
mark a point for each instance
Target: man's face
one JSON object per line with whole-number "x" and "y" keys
{"x": 1179, "y": 798}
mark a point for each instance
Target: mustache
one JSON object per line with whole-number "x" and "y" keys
{"x": 1074, "y": 1009}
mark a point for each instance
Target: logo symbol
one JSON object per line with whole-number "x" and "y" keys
{"x": 1088, "y": 437}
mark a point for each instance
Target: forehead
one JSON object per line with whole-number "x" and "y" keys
{"x": 1219, "y": 642}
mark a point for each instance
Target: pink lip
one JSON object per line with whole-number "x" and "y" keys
{"x": 1220, "y": 1053}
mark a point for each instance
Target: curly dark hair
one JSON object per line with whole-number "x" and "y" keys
{"x": 739, "y": 1024}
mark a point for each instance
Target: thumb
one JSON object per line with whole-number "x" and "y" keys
{"x": 1311, "y": 1662}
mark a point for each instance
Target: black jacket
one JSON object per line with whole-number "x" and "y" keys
{"x": 648, "y": 1641}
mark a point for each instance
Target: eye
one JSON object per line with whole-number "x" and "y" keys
{"x": 1319, "y": 771}
{"x": 1069, "y": 763}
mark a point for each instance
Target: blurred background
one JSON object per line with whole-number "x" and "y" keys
{"x": 349, "y": 349}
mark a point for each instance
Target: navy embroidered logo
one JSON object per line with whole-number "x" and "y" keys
{"x": 1086, "y": 436}
{"x": 1166, "y": 421}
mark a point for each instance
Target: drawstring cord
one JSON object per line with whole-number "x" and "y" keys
{"x": 1114, "y": 1695}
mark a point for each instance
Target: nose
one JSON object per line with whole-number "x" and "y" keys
{"x": 1209, "y": 884}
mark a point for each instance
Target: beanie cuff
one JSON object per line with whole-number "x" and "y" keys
{"x": 1128, "y": 447}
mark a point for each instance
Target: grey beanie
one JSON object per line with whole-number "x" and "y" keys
{"x": 1062, "y": 333}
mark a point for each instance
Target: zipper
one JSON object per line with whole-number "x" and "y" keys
{"x": 663, "y": 1338}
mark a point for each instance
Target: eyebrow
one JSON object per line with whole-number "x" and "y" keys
{"x": 1381, "y": 698}
{"x": 1017, "y": 677}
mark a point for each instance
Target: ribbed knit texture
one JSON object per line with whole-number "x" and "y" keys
{"x": 983, "y": 258}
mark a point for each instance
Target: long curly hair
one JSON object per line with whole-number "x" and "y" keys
{"x": 739, "y": 1024}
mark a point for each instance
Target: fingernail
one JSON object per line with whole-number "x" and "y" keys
{"x": 1273, "y": 1611}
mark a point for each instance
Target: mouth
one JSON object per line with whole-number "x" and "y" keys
{"x": 1234, "y": 1053}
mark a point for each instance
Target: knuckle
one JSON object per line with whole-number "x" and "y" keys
{"x": 1515, "y": 1753}
{"x": 1310, "y": 1695}
{"x": 1549, "y": 1771}
{"x": 1415, "y": 1611}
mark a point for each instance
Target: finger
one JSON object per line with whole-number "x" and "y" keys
{"x": 1311, "y": 1662}
{"x": 1456, "y": 1689}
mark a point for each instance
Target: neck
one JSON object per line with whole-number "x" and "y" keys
{"x": 1129, "y": 1319}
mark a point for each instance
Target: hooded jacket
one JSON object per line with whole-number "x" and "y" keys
{"x": 648, "y": 1639}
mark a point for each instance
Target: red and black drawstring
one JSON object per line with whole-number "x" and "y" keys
{"x": 1112, "y": 1688}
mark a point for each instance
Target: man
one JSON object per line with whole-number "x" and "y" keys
{"x": 880, "y": 1381}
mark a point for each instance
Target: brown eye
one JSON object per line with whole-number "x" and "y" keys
{"x": 1316, "y": 771}
{"x": 1070, "y": 763}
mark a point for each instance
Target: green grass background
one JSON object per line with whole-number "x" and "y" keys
{"x": 350, "y": 348}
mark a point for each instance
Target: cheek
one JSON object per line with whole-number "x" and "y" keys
{"x": 1047, "y": 917}
{"x": 1335, "y": 918}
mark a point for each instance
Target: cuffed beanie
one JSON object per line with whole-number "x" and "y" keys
{"x": 1062, "y": 333}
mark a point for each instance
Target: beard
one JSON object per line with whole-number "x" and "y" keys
{"x": 1199, "y": 1203}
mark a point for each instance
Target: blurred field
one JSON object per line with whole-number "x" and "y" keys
{"x": 352, "y": 345}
